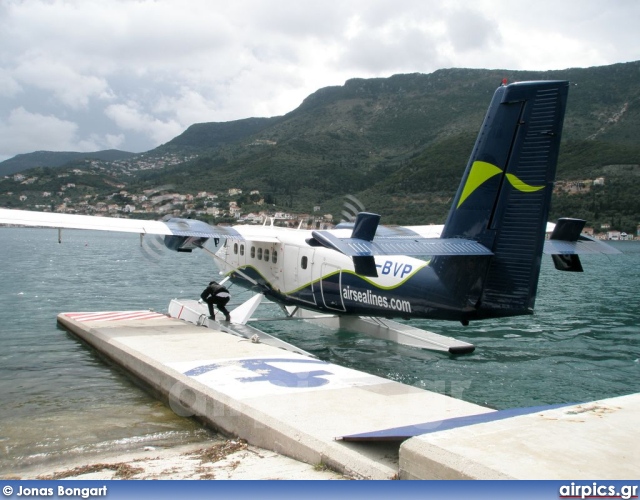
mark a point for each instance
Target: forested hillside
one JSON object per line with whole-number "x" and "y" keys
{"x": 400, "y": 145}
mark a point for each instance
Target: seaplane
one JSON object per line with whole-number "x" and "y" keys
{"x": 484, "y": 262}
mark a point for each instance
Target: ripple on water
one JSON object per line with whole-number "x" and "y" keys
{"x": 582, "y": 343}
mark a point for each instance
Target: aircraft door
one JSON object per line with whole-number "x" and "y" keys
{"x": 276, "y": 264}
{"x": 232, "y": 257}
{"x": 242, "y": 250}
{"x": 298, "y": 275}
{"x": 235, "y": 253}
{"x": 331, "y": 286}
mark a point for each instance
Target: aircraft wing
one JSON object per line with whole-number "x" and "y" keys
{"x": 180, "y": 229}
{"x": 70, "y": 221}
{"x": 425, "y": 231}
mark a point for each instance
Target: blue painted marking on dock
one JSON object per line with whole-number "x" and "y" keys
{"x": 265, "y": 371}
{"x": 407, "y": 431}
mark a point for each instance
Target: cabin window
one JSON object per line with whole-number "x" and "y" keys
{"x": 235, "y": 248}
{"x": 259, "y": 253}
{"x": 253, "y": 252}
{"x": 274, "y": 256}
{"x": 266, "y": 254}
{"x": 241, "y": 249}
{"x": 304, "y": 262}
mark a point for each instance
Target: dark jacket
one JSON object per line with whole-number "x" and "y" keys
{"x": 213, "y": 290}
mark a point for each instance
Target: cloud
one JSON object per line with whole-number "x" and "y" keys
{"x": 470, "y": 30}
{"x": 135, "y": 73}
{"x": 390, "y": 51}
{"x": 31, "y": 131}
{"x": 24, "y": 131}
{"x": 129, "y": 117}
{"x": 9, "y": 87}
{"x": 68, "y": 86}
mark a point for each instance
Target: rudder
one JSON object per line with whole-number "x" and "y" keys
{"x": 504, "y": 198}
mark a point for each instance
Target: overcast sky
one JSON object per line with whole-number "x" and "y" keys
{"x": 86, "y": 75}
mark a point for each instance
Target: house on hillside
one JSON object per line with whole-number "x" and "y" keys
{"x": 614, "y": 235}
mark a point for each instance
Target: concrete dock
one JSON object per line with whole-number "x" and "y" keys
{"x": 303, "y": 408}
{"x": 595, "y": 440}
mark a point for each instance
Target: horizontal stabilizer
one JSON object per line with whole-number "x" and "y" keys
{"x": 580, "y": 247}
{"x": 400, "y": 246}
{"x": 566, "y": 239}
{"x": 566, "y": 243}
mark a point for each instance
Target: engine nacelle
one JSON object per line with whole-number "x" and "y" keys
{"x": 184, "y": 243}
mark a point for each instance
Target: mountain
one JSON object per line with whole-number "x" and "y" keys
{"x": 400, "y": 145}
{"x": 212, "y": 135}
{"x": 56, "y": 159}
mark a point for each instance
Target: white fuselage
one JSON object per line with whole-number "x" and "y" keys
{"x": 282, "y": 261}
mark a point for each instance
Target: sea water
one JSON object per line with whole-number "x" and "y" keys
{"x": 59, "y": 398}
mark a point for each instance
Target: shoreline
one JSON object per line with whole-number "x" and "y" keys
{"x": 217, "y": 458}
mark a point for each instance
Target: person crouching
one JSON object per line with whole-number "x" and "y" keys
{"x": 218, "y": 295}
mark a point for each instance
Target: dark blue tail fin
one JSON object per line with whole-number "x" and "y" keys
{"x": 503, "y": 200}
